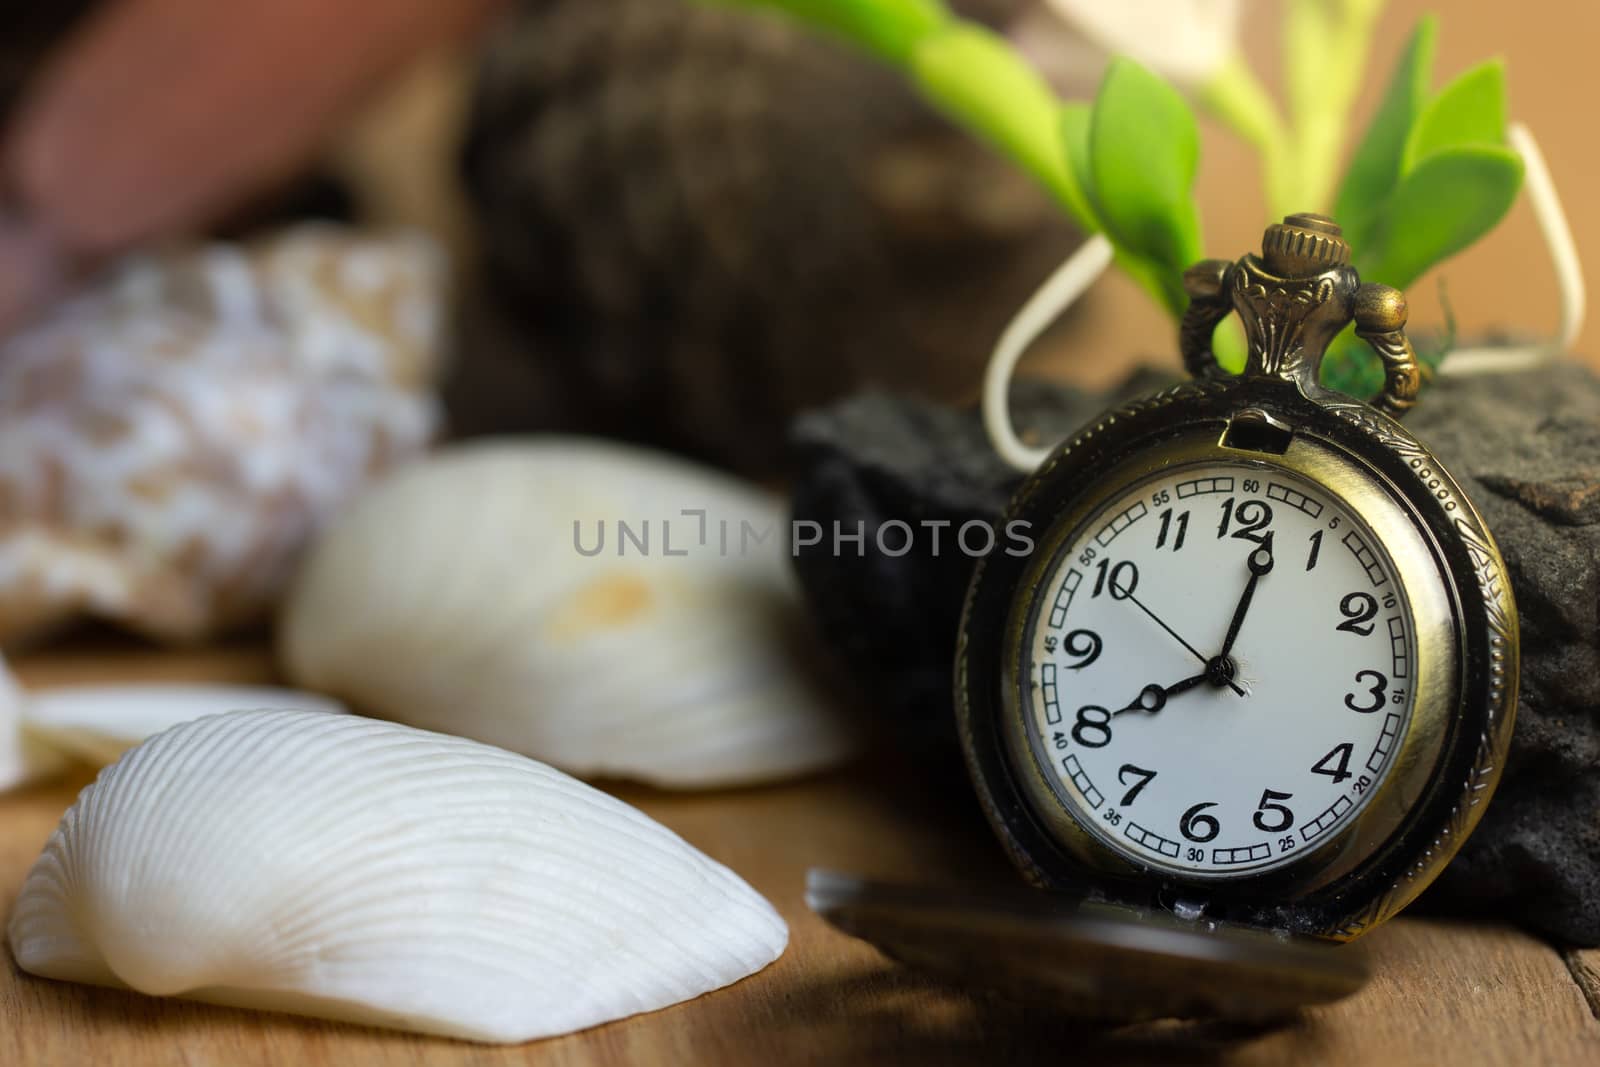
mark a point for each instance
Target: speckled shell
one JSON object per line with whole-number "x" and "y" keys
{"x": 359, "y": 870}
{"x": 490, "y": 591}
{"x": 170, "y": 438}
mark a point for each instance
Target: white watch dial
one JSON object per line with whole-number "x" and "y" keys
{"x": 1220, "y": 667}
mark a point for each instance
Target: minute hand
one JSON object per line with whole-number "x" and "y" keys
{"x": 1127, "y": 594}
{"x": 1260, "y": 562}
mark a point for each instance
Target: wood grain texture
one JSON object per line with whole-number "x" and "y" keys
{"x": 1443, "y": 992}
{"x": 1585, "y": 967}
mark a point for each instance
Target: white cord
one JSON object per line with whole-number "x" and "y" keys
{"x": 1059, "y": 292}
{"x": 1074, "y": 277}
{"x": 1557, "y": 232}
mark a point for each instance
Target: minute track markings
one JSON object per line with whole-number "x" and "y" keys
{"x": 1386, "y": 740}
{"x": 1295, "y": 499}
{"x": 1365, "y": 557}
{"x": 1063, "y": 601}
{"x": 1241, "y": 854}
{"x": 1202, "y": 486}
{"x": 1180, "y": 575}
{"x": 1398, "y": 647}
{"x": 1120, "y": 522}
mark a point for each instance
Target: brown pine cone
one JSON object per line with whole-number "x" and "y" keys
{"x": 698, "y": 221}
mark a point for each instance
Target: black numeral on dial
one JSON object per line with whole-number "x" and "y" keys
{"x": 1166, "y": 528}
{"x": 1085, "y": 644}
{"x": 1253, "y": 516}
{"x": 1121, "y": 580}
{"x": 1358, "y": 609}
{"x": 1336, "y": 764}
{"x": 1197, "y": 826}
{"x": 1140, "y": 773}
{"x": 1378, "y": 689}
{"x": 1278, "y": 822}
{"x": 1093, "y": 728}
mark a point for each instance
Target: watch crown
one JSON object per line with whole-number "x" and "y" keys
{"x": 1302, "y": 245}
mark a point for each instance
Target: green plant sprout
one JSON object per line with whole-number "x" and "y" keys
{"x": 1432, "y": 173}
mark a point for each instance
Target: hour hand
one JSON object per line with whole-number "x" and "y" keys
{"x": 1152, "y": 698}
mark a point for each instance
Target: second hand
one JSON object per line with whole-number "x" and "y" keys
{"x": 1127, "y": 594}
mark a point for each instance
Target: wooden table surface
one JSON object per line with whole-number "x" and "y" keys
{"x": 1443, "y": 992}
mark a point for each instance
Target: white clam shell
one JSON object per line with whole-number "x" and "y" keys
{"x": 454, "y": 596}
{"x": 23, "y": 758}
{"x": 98, "y": 723}
{"x": 360, "y": 870}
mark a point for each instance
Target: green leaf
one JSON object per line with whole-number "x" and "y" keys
{"x": 1075, "y": 120}
{"x": 1144, "y": 148}
{"x": 1470, "y": 110}
{"x": 1229, "y": 346}
{"x": 1351, "y": 366}
{"x": 1450, "y": 200}
{"x": 1164, "y": 284}
{"x": 1375, "y": 166}
{"x": 1354, "y": 369}
{"x": 1326, "y": 43}
{"x": 980, "y": 82}
{"x": 890, "y": 28}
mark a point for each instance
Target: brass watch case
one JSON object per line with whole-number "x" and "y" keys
{"x": 1465, "y": 630}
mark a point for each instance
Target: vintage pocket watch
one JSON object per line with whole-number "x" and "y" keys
{"x": 1259, "y": 672}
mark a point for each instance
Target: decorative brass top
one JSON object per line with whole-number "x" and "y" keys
{"x": 1294, "y": 299}
{"x": 1302, "y": 245}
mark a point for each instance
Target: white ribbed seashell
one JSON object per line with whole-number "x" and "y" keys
{"x": 359, "y": 870}
{"x": 455, "y": 596}
{"x": 98, "y": 723}
{"x": 23, "y": 758}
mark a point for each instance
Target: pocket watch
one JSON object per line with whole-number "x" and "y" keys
{"x": 1262, "y": 664}
{"x": 1258, "y": 675}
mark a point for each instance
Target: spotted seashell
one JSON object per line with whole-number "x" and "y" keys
{"x": 171, "y": 437}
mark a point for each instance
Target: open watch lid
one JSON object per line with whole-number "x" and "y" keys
{"x": 1090, "y": 958}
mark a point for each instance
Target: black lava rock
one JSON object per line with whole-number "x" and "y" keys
{"x": 1527, "y": 448}
{"x": 877, "y": 459}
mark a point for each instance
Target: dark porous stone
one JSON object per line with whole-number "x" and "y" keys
{"x": 877, "y": 458}
{"x": 1527, "y": 448}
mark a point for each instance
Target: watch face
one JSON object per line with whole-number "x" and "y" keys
{"x": 1220, "y": 668}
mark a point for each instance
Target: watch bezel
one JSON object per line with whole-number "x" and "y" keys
{"x": 1464, "y": 626}
{"x": 1433, "y": 685}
